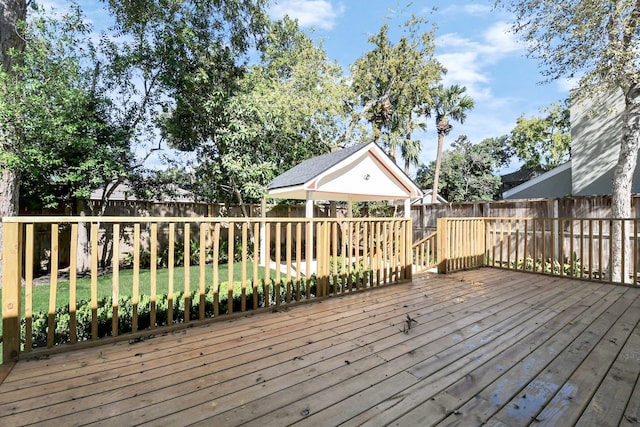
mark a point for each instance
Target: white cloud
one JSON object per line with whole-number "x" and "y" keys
{"x": 499, "y": 41}
{"x": 468, "y": 60}
{"x": 476, "y": 9}
{"x": 469, "y": 9}
{"x": 462, "y": 68}
{"x": 309, "y": 13}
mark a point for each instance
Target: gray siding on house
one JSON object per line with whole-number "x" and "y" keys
{"x": 553, "y": 184}
{"x": 596, "y": 132}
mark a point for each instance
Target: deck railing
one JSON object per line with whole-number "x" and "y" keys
{"x": 171, "y": 271}
{"x": 425, "y": 255}
{"x": 160, "y": 273}
{"x": 461, "y": 243}
{"x": 579, "y": 248}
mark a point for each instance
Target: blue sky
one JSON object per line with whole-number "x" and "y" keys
{"x": 472, "y": 42}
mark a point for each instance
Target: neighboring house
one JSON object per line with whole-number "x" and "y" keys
{"x": 124, "y": 192}
{"x": 513, "y": 179}
{"x": 426, "y": 198}
{"x": 551, "y": 184}
{"x": 596, "y": 132}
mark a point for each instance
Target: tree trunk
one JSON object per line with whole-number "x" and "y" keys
{"x": 436, "y": 174}
{"x": 12, "y": 12}
{"x": 409, "y": 150}
{"x": 83, "y": 256}
{"x": 623, "y": 179}
{"x": 9, "y": 190}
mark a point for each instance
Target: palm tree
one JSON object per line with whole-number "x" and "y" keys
{"x": 449, "y": 104}
{"x": 398, "y": 135}
{"x": 410, "y": 149}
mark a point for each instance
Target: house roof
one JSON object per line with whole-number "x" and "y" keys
{"x": 124, "y": 192}
{"x": 520, "y": 176}
{"x": 553, "y": 183}
{"x": 313, "y": 167}
{"x": 426, "y": 198}
{"x": 362, "y": 172}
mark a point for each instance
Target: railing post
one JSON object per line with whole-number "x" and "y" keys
{"x": 482, "y": 252}
{"x": 319, "y": 252}
{"x": 408, "y": 249}
{"x": 442, "y": 245}
{"x": 11, "y": 290}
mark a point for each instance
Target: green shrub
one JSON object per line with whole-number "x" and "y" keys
{"x": 125, "y": 311}
{"x": 358, "y": 272}
{"x": 570, "y": 267}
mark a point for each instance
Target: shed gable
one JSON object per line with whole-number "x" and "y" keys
{"x": 365, "y": 177}
{"x": 359, "y": 173}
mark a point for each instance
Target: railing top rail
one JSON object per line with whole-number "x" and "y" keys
{"x": 548, "y": 218}
{"x": 466, "y": 218}
{"x": 424, "y": 239}
{"x": 123, "y": 219}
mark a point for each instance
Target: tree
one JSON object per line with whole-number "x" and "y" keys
{"x": 542, "y": 143}
{"x": 68, "y": 146}
{"x": 410, "y": 150}
{"x": 393, "y": 84}
{"x": 285, "y": 109}
{"x": 175, "y": 69}
{"x": 597, "y": 41}
{"x": 468, "y": 171}
{"x": 449, "y": 104}
{"x": 12, "y": 17}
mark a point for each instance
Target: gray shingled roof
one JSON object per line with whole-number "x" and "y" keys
{"x": 311, "y": 168}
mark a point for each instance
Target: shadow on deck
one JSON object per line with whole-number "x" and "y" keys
{"x": 487, "y": 345}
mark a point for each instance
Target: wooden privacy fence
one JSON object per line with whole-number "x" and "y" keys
{"x": 174, "y": 275}
{"x": 573, "y": 247}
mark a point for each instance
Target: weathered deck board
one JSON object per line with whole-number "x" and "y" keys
{"x": 487, "y": 346}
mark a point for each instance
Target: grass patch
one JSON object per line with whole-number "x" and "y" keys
{"x": 40, "y": 300}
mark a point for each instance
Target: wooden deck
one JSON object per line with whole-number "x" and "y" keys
{"x": 487, "y": 346}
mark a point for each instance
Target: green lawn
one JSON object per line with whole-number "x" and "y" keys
{"x": 83, "y": 285}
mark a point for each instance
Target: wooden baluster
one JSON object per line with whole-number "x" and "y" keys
{"x": 171, "y": 260}
{"x": 202, "y": 270}
{"x": 115, "y": 279}
{"x": 135, "y": 299}
{"x": 28, "y": 289}
{"x": 153, "y": 275}
{"x": 94, "y": 281}
{"x": 186, "y": 242}
{"x": 216, "y": 278}
{"x": 245, "y": 240}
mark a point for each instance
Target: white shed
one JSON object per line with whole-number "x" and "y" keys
{"x": 360, "y": 173}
